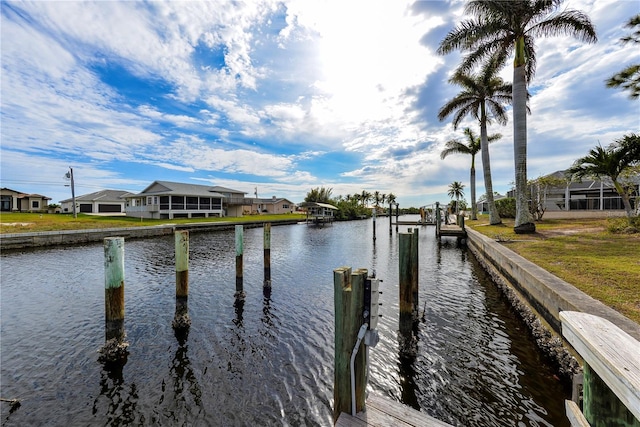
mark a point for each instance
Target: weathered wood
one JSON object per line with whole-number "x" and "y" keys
{"x": 182, "y": 263}
{"x": 267, "y": 254}
{"x": 239, "y": 261}
{"x": 438, "y": 220}
{"x": 374, "y": 224}
{"x": 574, "y": 415}
{"x": 611, "y": 356}
{"x": 382, "y": 412}
{"x": 348, "y": 301}
{"x": 397, "y": 215}
{"x": 181, "y": 320}
{"x": 414, "y": 272}
{"x": 405, "y": 282}
{"x": 114, "y": 288}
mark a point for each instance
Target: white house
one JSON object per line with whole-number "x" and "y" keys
{"x": 165, "y": 199}
{"x": 103, "y": 201}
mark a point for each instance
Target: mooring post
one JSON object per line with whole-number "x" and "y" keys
{"x": 414, "y": 272}
{"x": 390, "y": 218}
{"x": 405, "y": 270}
{"x": 373, "y": 214}
{"x": 267, "y": 254}
{"x": 438, "y": 219}
{"x": 348, "y": 301}
{"x": 115, "y": 347}
{"x": 239, "y": 267}
{"x": 397, "y": 214}
{"x": 181, "y": 319}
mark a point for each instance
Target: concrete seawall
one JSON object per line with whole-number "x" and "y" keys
{"x": 545, "y": 293}
{"x": 70, "y": 237}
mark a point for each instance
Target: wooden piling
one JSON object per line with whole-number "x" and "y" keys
{"x": 239, "y": 266}
{"x": 115, "y": 347}
{"x": 405, "y": 283}
{"x": 390, "y": 219}
{"x": 374, "y": 224}
{"x": 438, "y": 219}
{"x": 414, "y": 272}
{"x": 181, "y": 319}
{"x": 397, "y": 215}
{"x": 348, "y": 300}
{"x": 267, "y": 254}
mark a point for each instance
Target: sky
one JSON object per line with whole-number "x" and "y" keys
{"x": 280, "y": 97}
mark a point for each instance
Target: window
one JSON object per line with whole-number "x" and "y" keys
{"x": 285, "y": 206}
{"x": 216, "y": 203}
{"x": 205, "y": 203}
{"x": 35, "y": 204}
{"x": 164, "y": 203}
{"x": 177, "y": 202}
{"x": 192, "y": 203}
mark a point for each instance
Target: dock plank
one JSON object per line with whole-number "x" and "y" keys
{"x": 612, "y": 353}
{"x": 382, "y": 412}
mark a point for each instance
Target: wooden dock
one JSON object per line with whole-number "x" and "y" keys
{"x": 383, "y": 412}
{"x": 418, "y": 222}
{"x": 452, "y": 230}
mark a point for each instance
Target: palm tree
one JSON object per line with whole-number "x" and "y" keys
{"x": 611, "y": 162}
{"x": 365, "y": 197}
{"x": 629, "y": 78}
{"x": 481, "y": 93}
{"x": 454, "y": 146}
{"x": 498, "y": 28}
{"x": 376, "y": 198}
{"x": 456, "y": 190}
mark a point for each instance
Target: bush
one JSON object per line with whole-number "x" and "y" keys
{"x": 506, "y": 207}
{"x": 623, "y": 225}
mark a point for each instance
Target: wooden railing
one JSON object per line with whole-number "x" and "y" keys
{"x": 611, "y": 371}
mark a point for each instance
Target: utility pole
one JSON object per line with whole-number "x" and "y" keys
{"x": 69, "y": 175}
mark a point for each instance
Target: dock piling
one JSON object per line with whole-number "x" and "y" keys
{"x": 349, "y": 303}
{"x": 267, "y": 254}
{"x": 115, "y": 347}
{"x": 239, "y": 262}
{"x": 181, "y": 319}
{"x": 405, "y": 283}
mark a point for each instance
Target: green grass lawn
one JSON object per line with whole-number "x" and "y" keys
{"x": 582, "y": 252}
{"x": 32, "y": 222}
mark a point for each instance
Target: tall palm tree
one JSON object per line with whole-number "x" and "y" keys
{"x": 456, "y": 190}
{"x": 629, "y": 78}
{"x": 611, "y": 162}
{"x": 454, "y": 146}
{"x": 365, "y": 197}
{"x": 499, "y": 28}
{"x": 481, "y": 94}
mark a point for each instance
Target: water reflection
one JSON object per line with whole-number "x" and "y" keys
{"x": 267, "y": 359}
{"x": 121, "y": 399}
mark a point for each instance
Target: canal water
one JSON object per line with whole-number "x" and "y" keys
{"x": 268, "y": 361}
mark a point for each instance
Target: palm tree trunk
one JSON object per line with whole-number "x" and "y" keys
{"x": 494, "y": 217}
{"x": 625, "y": 199}
{"x": 474, "y": 209}
{"x": 523, "y": 222}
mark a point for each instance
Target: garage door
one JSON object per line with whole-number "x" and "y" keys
{"x": 109, "y": 208}
{"x": 86, "y": 207}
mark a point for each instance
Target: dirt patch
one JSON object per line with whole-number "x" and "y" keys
{"x": 570, "y": 231}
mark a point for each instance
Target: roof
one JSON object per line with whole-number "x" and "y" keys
{"x": 179, "y": 188}
{"x": 101, "y": 196}
{"x": 21, "y": 195}
{"x": 271, "y": 200}
{"x": 317, "y": 205}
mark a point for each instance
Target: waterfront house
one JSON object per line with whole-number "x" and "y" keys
{"x": 585, "y": 195}
{"x": 270, "y": 206}
{"x": 16, "y": 201}
{"x": 165, "y": 199}
{"x": 103, "y": 201}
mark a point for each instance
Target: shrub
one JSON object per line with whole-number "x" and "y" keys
{"x": 506, "y": 207}
{"x": 623, "y": 225}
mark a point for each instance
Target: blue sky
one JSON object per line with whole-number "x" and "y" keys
{"x": 282, "y": 96}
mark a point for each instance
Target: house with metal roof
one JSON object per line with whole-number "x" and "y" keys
{"x": 165, "y": 199}
{"x": 103, "y": 202}
{"x": 16, "y": 201}
{"x": 585, "y": 195}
